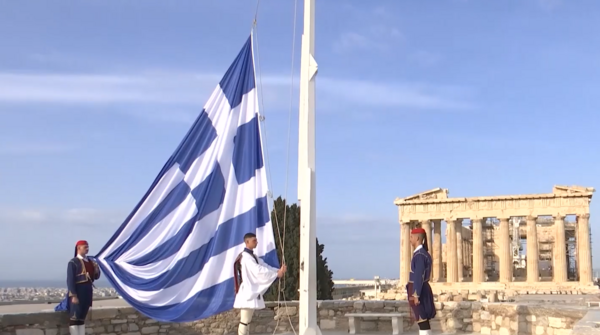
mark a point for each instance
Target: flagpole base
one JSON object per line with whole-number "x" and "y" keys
{"x": 314, "y": 330}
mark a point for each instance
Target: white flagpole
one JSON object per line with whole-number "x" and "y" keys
{"x": 306, "y": 178}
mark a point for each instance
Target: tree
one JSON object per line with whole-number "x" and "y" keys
{"x": 324, "y": 275}
{"x": 290, "y": 233}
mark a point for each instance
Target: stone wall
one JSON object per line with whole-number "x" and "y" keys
{"x": 513, "y": 319}
{"x": 498, "y": 292}
{"x": 452, "y": 317}
{"x": 127, "y": 321}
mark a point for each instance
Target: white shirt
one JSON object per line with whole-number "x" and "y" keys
{"x": 256, "y": 280}
{"x": 418, "y": 247}
{"x": 82, "y": 257}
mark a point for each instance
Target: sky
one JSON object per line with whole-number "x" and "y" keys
{"x": 480, "y": 97}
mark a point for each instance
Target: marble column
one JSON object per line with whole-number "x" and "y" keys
{"x": 533, "y": 272}
{"x": 460, "y": 264}
{"x": 402, "y": 236}
{"x": 451, "y": 250}
{"x": 471, "y": 253}
{"x": 471, "y": 257}
{"x": 468, "y": 255}
{"x": 505, "y": 255}
{"x": 426, "y": 225}
{"x": 405, "y": 254}
{"x": 560, "y": 250}
{"x": 584, "y": 249}
{"x": 412, "y": 249}
{"x": 577, "y": 261}
{"x": 477, "y": 251}
{"x": 437, "y": 250}
{"x": 465, "y": 253}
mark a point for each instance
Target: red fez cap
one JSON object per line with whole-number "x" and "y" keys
{"x": 81, "y": 242}
{"x": 418, "y": 231}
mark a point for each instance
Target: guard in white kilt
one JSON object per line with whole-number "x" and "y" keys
{"x": 253, "y": 277}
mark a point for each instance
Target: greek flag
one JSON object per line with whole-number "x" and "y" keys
{"x": 172, "y": 259}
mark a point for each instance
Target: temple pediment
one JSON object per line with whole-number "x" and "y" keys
{"x": 436, "y": 193}
{"x": 435, "y": 204}
{"x": 559, "y": 189}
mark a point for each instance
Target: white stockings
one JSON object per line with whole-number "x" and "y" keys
{"x": 245, "y": 319}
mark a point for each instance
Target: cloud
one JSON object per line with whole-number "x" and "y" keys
{"x": 377, "y": 37}
{"x": 36, "y": 148}
{"x": 176, "y": 96}
{"x": 95, "y": 89}
{"x": 352, "y": 220}
{"x": 53, "y": 217}
{"x": 350, "y": 40}
{"x": 376, "y": 31}
{"x": 51, "y": 57}
{"x": 161, "y": 114}
{"x": 395, "y": 95}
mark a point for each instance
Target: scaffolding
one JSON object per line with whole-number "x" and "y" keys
{"x": 572, "y": 260}
{"x": 517, "y": 250}
{"x": 571, "y": 251}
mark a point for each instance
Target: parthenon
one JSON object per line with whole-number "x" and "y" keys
{"x": 527, "y": 239}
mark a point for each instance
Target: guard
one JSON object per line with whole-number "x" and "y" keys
{"x": 420, "y": 296}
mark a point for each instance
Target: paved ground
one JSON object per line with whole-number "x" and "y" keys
{"x": 580, "y": 301}
{"x": 33, "y": 308}
{"x": 414, "y": 331}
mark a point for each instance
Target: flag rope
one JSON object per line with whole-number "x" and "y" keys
{"x": 282, "y": 238}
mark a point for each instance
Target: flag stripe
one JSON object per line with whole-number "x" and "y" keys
{"x": 205, "y": 303}
{"x": 239, "y": 78}
{"x": 214, "y": 273}
{"x": 214, "y": 184}
{"x": 229, "y": 234}
{"x": 167, "y": 179}
{"x": 166, "y": 207}
{"x": 197, "y": 237}
{"x": 245, "y": 160}
{"x": 203, "y": 134}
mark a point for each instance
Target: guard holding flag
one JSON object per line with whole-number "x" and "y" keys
{"x": 81, "y": 273}
{"x": 420, "y": 296}
{"x": 252, "y": 278}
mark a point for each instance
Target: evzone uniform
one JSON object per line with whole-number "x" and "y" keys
{"x": 81, "y": 273}
{"x": 418, "y": 287}
{"x": 253, "y": 277}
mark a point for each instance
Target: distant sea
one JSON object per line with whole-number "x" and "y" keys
{"x": 46, "y": 283}
{"x": 62, "y": 283}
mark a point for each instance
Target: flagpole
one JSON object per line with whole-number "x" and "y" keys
{"x": 307, "y": 178}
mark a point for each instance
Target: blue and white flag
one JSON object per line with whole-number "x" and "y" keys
{"x": 172, "y": 259}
